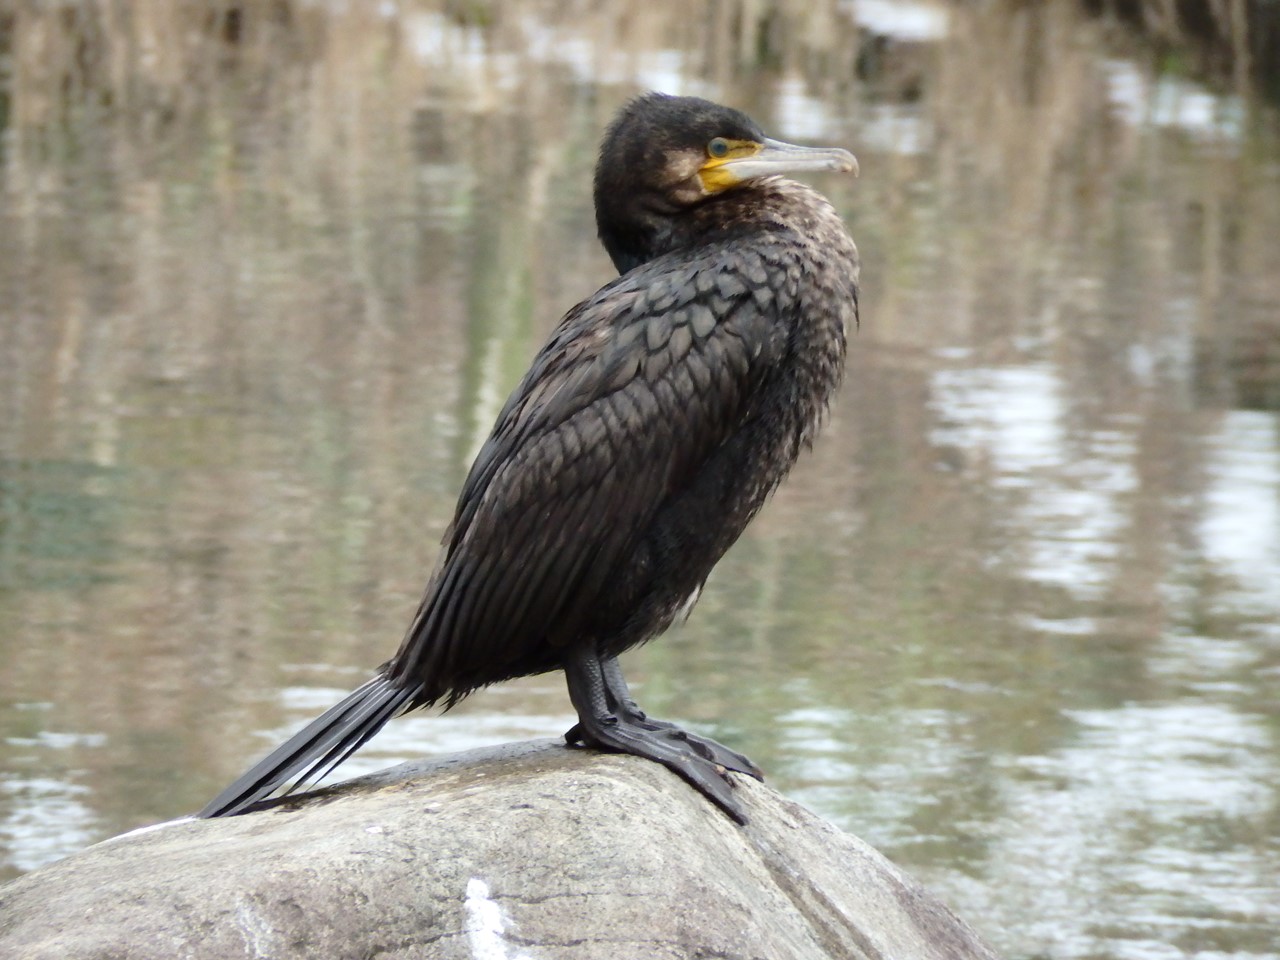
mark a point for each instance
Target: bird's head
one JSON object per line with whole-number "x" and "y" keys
{"x": 663, "y": 154}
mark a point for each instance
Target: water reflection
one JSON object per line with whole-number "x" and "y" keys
{"x": 263, "y": 290}
{"x": 1238, "y": 529}
{"x": 1165, "y": 793}
{"x": 910, "y": 20}
{"x": 1174, "y": 102}
{"x": 1064, "y": 491}
{"x": 46, "y": 819}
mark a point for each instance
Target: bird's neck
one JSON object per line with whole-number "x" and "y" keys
{"x": 645, "y": 234}
{"x": 639, "y": 233}
{"x": 638, "y": 239}
{"x": 624, "y": 261}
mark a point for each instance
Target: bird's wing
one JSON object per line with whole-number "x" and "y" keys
{"x": 634, "y": 390}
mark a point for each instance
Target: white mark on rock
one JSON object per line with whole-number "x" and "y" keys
{"x": 257, "y": 932}
{"x": 487, "y": 925}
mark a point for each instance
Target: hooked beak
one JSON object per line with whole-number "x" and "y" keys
{"x": 775, "y": 157}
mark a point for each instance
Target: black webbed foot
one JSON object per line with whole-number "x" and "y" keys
{"x": 667, "y": 747}
{"x": 706, "y": 748}
{"x": 609, "y": 719}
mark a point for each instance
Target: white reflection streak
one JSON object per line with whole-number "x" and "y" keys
{"x": 1240, "y": 529}
{"x": 799, "y": 115}
{"x": 1103, "y": 824}
{"x": 1172, "y": 102}
{"x": 46, "y": 822}
{"x": 662, "y": 69}
{"x": 1066, "y": 508}
{"x": 908, "y": 20}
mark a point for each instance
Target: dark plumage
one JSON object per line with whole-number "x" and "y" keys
{"x": 649, "y": 430}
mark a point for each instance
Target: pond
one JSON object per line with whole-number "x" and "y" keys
{"x": 265, "y": 281}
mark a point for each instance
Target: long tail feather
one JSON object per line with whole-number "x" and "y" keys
{"x": 317, "y": 748}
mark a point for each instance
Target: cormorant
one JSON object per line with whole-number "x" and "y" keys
{"x": 650, "y": 429}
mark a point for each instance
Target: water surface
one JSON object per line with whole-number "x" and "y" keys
{"x": 264, "y": 283}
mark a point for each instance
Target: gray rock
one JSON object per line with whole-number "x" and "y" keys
{"x": 524, "y": 852}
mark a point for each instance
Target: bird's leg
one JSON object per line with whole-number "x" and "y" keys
{"x": 622, "y": 704}
{"x": 616, "y": 695}
{"x": 603, "y": 721}
{"x": 620, "y": 693}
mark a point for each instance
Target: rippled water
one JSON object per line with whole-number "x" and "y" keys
{"x": 264, "y": 286}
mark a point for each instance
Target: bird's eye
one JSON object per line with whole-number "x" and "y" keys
{"x": 717, "y": 148}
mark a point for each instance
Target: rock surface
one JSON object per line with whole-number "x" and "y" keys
{"x": 525, "y": 852}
